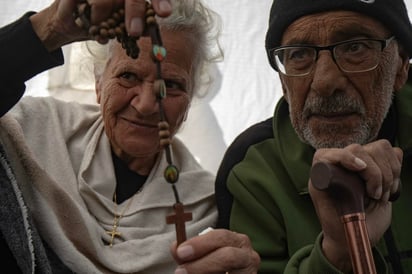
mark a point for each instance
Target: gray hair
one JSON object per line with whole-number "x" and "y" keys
{"x": 191, "y": 16}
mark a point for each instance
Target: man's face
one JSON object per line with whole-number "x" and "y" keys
{"x": 332, "y": 108}
{"x": 128, "y": 104}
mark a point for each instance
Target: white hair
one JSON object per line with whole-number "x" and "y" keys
{"x": 191, "y": 16}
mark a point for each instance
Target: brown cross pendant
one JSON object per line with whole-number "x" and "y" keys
{"x": 114, "y": 233}
{"x": 179, "y": 219}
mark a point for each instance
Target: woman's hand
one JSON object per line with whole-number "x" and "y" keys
{"x": 55, "y": 25}
{"x": 218, "y": 251}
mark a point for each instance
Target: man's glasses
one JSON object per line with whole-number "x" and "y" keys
{"x": 358, "y": 55}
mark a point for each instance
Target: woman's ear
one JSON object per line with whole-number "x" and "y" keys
{"x": 186, "y": 112}
{"x": 98, "y": 88}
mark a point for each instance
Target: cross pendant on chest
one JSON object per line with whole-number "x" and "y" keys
{"x": 114, "y": 233}
{"x": 179, "y": 219}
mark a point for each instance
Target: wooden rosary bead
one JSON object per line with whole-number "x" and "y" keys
{"x": 150, "y": 12}
{"x": 164, "y": 142}
{"x": 118, "y": 31}
{"x": 164, "y": 133}
{"x": 111, "y": 28}
{"x": 104, "y": 25}
{"x": 163, "y": 125}
{"x": 103, "y": 33}
{"x": 93, "y": 30}
{"x": 150, "y": 20}
{"x": 111, "y": 22}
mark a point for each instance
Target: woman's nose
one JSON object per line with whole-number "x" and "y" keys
{"x": 144, "y": 100}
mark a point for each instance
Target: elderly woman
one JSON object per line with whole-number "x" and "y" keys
{"x": 85, "y": 183}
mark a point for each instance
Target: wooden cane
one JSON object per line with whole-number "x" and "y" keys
{"x": 348, "y": 191}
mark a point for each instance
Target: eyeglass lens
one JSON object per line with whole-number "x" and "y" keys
{"x": 351, "y": 56}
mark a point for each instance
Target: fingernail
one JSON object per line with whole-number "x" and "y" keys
{"x": 360, "y": 163}
{"x": 185, "y": 251}
{"x": 136, "y": 27}
{"x": 165, "y": 6}
{"x": 378, "y": 193}
{"x": 180, "y": 270}
{"x": 386, "y": 196}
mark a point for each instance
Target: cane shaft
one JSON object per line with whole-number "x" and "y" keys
{"x": 358, "y": 242}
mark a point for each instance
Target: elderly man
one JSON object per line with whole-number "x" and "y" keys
{"x": 343, "y": 66}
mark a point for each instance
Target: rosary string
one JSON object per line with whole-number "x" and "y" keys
{"x": 114, "y": 27}
{"x": 171, "y": 173}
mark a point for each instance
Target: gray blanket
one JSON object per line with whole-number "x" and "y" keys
{"x": 18, "y": 230}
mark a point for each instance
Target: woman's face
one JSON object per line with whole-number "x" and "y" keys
{"x": 128, "y": 103}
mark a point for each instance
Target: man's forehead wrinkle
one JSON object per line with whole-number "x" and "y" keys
{"x": 299, "y": 32}
{"x": 339, "y": 29}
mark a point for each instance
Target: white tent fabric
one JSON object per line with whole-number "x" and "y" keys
{"x": 245, "y": 88}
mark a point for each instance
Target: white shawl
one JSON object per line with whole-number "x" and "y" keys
{"x": 62, "y": 160}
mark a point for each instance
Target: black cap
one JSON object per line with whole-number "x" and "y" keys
{"x": 392, "y": 13}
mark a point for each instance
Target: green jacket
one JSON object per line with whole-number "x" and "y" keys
{"x": 266, "y": 172}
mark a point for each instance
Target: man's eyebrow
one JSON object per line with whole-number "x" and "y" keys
{"x": 302, "y": 40}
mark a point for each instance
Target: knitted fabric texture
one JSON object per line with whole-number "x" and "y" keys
{"x": 392, "y": 13}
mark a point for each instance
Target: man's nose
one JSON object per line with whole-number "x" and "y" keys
{"x": 327, "y": 76}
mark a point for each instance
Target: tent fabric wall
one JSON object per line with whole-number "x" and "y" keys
{"x": 244, "y": 91}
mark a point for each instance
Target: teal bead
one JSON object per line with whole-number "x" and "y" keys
{"x": 159, "y": 87}
{"x": 159, "y": 53}
{"x": 162, "y": 89}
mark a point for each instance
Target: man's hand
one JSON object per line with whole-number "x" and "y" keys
{"x": 379, "y": 165}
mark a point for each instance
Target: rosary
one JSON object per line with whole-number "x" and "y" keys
{"x": 114, "y": 27}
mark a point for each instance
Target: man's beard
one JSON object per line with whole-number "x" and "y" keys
{"x": 327, "y": 135}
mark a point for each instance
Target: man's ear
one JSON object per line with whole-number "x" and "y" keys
{"x": 403, "y": 70}
{"x": 283, "y": 88}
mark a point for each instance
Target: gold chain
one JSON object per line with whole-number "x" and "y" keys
{"x": 114, "y": 233}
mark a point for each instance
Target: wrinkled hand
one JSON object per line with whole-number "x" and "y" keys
{"x": 55, "y": 24}
{"x": 218, "y": 251}
{"x": 379, "y": 165}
